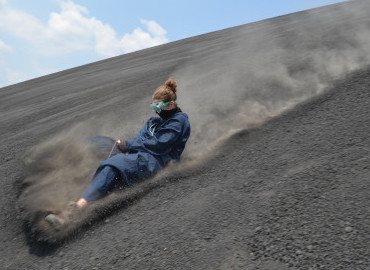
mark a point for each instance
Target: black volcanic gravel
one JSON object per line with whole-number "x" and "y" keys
{"x": 293, "y": 193}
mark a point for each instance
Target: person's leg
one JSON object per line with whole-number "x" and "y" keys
{"x": 103, "y": 182}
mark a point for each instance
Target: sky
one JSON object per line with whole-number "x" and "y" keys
{"x": 41, "y": 37}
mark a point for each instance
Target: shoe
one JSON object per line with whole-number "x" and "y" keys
{"x": 55, "y": 220}
{"x": 66, "y": 216}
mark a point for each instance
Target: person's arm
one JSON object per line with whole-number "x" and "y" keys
{"x": 122, "y": 144}
{"x": 162, "y": 142}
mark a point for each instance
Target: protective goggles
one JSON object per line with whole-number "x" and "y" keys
{"x": 157, "y": 106}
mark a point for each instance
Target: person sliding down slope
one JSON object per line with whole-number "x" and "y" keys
{"x": 161, "y": 140}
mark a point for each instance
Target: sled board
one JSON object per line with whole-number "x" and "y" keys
{"x": 101, "y": 146}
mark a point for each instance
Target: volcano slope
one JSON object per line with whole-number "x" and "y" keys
{"x": 286, "y": 186}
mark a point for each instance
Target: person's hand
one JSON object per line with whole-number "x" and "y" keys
{"x": 121, "y": 145}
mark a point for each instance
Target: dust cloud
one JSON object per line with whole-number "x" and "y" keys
{"x": 56, "y": 172}
{"x": 259, "y": 75}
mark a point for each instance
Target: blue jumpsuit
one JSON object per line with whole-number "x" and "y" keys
{"x": 158, "y": 142}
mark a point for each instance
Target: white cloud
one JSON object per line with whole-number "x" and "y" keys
{"x": 20, "y": 24}
{"x": 4, "y": 47}
{"x": 140, "y": 39}
{"x": 155, "y": 28}
{"x": 72, "y": 29}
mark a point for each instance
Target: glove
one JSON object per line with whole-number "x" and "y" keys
{"x": 121, "y": 145}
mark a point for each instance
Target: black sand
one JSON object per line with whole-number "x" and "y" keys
{"x": 287, "y": 188}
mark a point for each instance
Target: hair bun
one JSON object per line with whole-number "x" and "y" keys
{"x": 172, "y": 85}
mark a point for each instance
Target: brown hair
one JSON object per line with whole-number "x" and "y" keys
{"x": 166, "y": 92}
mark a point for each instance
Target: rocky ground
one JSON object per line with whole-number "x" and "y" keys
{"x": 290, "y": 193}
